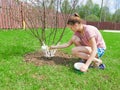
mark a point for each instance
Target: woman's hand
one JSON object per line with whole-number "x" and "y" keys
{"x": 84, "y": 68}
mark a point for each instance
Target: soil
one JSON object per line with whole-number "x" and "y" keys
{"x": 60, "y": 58}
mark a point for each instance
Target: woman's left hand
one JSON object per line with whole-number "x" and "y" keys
{"x": 84, "y": 68}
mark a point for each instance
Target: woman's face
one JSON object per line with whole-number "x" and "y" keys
{"x": 74, "y": 27}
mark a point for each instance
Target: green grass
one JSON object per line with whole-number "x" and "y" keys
{"x": 15, "y": 74}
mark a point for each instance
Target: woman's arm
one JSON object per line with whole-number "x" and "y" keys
{"x": 94, "y": 51}
{"x": 62, "y": 46}
{"x": 92, "y": 55}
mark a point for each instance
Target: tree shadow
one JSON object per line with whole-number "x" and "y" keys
{"x": 60, "y": 59}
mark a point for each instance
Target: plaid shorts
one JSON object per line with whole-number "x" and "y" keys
{"x": 100, "y": 52}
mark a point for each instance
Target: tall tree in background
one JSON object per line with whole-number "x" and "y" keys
{"x": 88, "y": 7}
{"x": 106, "y": 16}
{"x": 65, "y": 6}
{"x": 94, "y": 16}
{"x": 81, "y": 10}
{"x": 96, "y": 10}
{"x": 116, "y": 16}
{"x": 89, "y": 11}
{"x": 101, "y": 8}
{"x": 105, "y": 13}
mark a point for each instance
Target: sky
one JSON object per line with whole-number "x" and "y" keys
{"x": 110, "y": 3}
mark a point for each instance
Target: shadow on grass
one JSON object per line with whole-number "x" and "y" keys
{"x": 53, "y": 61}
{"x": 61, "y": 59}
{"x": 78, "y": 72}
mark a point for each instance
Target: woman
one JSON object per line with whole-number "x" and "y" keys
{"x": 89, "y": 43}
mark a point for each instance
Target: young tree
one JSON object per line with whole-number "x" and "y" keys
{"x": 43, "y": 18}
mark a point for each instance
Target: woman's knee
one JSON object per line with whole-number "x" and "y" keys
{"x": 81, "y": 51}
{"x": 76, "y": 40}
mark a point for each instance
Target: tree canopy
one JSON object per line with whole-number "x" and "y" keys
{"x": 94, "y": 12}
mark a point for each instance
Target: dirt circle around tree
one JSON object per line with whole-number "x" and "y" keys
{"x": 60, "y": 58}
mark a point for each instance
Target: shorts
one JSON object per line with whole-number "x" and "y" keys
{"x": 100, "y": 52}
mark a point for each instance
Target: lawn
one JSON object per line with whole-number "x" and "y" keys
{"x": 15, "y": 74}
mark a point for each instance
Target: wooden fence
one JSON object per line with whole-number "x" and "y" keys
{"x": 15, "y": 15}
{"x": 22, "y": 15}
{"x": 106, "y": 25}
{"x": 8, "y": 15}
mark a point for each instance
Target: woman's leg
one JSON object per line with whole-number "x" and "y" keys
{"x": 84, "y": 53}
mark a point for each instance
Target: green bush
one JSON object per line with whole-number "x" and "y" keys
{"x": 92, "y": 18}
